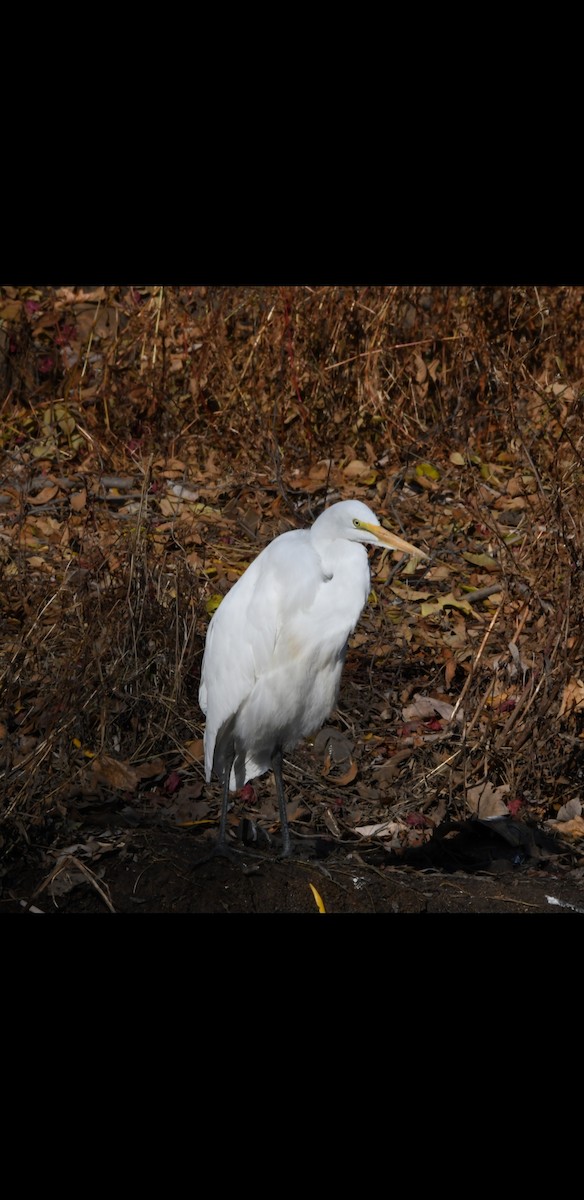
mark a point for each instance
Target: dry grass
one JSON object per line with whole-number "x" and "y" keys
{"x": 457, "y": 413}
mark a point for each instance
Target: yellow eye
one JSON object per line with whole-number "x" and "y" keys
{"x": 356, "y": 523}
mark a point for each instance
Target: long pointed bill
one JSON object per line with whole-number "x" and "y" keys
{"x": 394, "y": 542}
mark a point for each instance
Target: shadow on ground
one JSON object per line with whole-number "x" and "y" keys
{"x": 154, "y": 870}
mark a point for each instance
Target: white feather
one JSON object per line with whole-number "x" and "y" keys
{"x": 276, "y": 645}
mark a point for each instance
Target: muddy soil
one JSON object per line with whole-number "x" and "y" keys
{"x": 157, "y": 870}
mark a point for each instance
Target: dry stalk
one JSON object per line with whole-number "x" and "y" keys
{"x": 70, "y": 860}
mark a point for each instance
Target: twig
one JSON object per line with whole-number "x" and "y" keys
{"x": 474, "y": 666}
{"x": 67, "y": 860}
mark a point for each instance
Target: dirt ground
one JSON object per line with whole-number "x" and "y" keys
{"x": 154, "y": 870}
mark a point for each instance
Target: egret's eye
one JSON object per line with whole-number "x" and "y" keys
{"x": 356, "y": 523}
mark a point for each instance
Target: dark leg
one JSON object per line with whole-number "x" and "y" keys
{"x": 277, "y": 769}
{"x": 221, "y": 840}
{"x": 221, "y": 847}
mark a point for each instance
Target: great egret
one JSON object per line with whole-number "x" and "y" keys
{"x": 276, "y": 645}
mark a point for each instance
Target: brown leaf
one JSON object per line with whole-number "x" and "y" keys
{"x": 331, "y": 740}
{"x": 151, "y": 770}
{"x": 343, "y": 780}
{"x": 487, "y": 801}
{"x": 450, "y": 670}
{"x": 391, "y": 768}
{"x": 356, "y": 467}
{"x": 78, "y": 500}
{"x": 10, "y": 310}
{"x": 426, "y": 707}
{"x": 572, "y": 696}
{"x": 115, "y": 773}
{"x": 194, "y": 750}
{"x": 573, "y": 828}
{"x": 43, "y": 497}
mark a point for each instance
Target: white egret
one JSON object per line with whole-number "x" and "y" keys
{"x": 276, "y": 645}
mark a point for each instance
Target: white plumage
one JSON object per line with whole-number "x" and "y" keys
{"x": 276, "y": 645}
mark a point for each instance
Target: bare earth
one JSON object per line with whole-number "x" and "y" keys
{"x": 153, "y": 870}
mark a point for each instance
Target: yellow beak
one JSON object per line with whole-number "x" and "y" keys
{"x": 394, "y": 542}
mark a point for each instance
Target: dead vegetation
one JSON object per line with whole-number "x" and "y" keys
{"x": 152, "y": 441}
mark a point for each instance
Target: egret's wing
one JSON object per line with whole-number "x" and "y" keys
{"x": 244, "y": 631}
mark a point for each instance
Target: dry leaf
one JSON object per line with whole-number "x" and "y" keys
{"x": 348, "y": 777}
{"x": 573, "y": 828}
{"x": 356, "y": 467}
{"x": 427, "y": 470}
{"x": 170, "y": 507}
{"x": 115, "y": 773}
{"x": 483, "y": 560}
{"x": 318, "y": 898}
{"x": 153, "y": 769}
{"x": 450, "y": 670}
{"x": 487, "y": 801}
{"x": 573, "y": 696}
{"x": 436, "y": 606}
{"x": 331, "y": 823}
{"x": 43, "y": 497}
{"x": 194, "y": 750}
{"x": 78, "y": 500}
{"x": 384, "y": 829}
{"x": 391, "y": 769}
{"x": 408, "y": 593}
{"x": 570, "y": 810}
{"x": 425, "y": 707}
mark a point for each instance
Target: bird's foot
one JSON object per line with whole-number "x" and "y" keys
{"x": 249, "y": 832}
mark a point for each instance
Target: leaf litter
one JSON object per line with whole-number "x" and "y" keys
{"x": 153, "y": 441}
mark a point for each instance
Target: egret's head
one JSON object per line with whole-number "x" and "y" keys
{"x": 352, "y": 520}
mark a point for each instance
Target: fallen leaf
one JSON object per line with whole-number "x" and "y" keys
{"x": 348, "y": 777}
{"x": 152, "y": 769}
{"x": 408, "y": 593}
{"x": 427, "y": 610}
{"x": 356, "y": 467}
{"x": 10, "y": 310}
{"x": 332, "y": 741}
{"x": 78, "y": 500}
{"x": 450, "y": 670}
{"x": 573, "y": 828}
{"x": 318, "y": 898}
{"x": 572, "y": 697}
{"x": 194, "y": 751}
{"x": 213, "y": 603}
{"x": 487, "y": 801}
{"x": 427, "y": 471}
{"x": 384, "y": 829}
{"x": 391, "y": 769}
{"x": 482, "y": 560}
{"x": 331, "y": 823}
{"x": 571, "y": 810}
{"x": 426, "y": 707}
{"x": 172, "y": 782}
{"x": 115, "y": 773}
{"x": 43, "y": 497}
